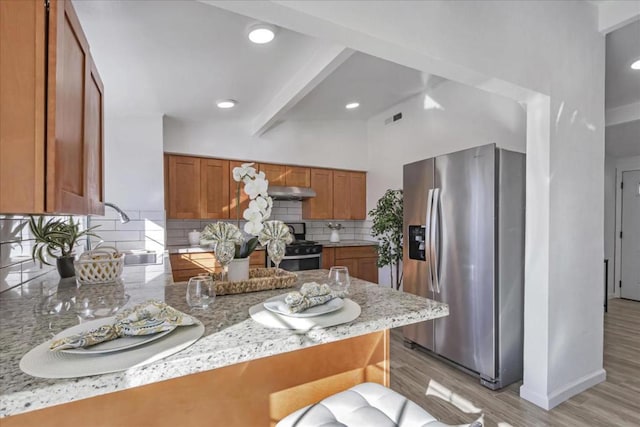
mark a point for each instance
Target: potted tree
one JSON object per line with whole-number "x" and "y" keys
{"x": 57, "y": 238}
{"x": 387, "y": 227}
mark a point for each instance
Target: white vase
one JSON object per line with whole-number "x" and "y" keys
{"x": 335, "y": 236}
{"x": 238, "y": 270}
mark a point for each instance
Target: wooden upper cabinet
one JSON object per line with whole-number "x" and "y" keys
{"x": 184, "y": 187}
{"x": 67, "y": 97}
{"x": 276, "y": 174}
{"x": 94, "y": 137}
{"x": 358, "y": 195}
{"x": 68, "y": 63}
{"x": 233, "y": 191}
{"x": 341, "y": 195}
{"x": 297, "y": 176}
{"x": 22, "y": 106}
{"x": 321, "y": 206}
{"x": 214, "y": 187}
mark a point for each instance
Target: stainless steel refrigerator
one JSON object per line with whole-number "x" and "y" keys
{"x": 464, "y": 216}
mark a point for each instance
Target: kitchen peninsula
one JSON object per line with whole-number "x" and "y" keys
{"x": 239, "y": 371}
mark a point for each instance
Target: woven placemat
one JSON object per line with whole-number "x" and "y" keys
{"x": 260, "y": 279}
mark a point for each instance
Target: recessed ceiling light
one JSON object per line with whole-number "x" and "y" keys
{"x": 636, "y": 64}
{"x": 352, "y": 105}
{"x": 262, "y": 33}
{"x": 226, "y": 103}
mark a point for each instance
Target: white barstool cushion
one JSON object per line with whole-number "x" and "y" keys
{"x": 368, "y": 404}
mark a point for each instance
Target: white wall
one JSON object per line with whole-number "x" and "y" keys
{"x": 610, "y": 218}
{"x": 447, "y": 118}
{"x": 544, "y": 54}
{"x": 133, "y": 162}
{"x": 339, "y": 144}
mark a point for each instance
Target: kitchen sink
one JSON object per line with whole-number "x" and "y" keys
{"x": 140, "y": 257}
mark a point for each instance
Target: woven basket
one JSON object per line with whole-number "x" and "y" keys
{"x": 260, "y": 279}
{"x": 101, "y": 265}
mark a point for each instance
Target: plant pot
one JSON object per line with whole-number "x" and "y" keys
{"x": 238, "y": 270}
{"x": 65, "y": 266}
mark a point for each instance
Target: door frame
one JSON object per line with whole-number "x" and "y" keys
{"x": 622, "y": 165}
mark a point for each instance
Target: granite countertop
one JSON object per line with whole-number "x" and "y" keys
{"x": 36, "y": 311}
{"x": 186, "y": 249}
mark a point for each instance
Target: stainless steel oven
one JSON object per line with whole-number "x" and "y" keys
{"x": 301, "y": 254}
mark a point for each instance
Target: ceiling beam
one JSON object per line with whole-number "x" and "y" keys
{"x": 325, "y": 60}
{"x": 622, "y": 114}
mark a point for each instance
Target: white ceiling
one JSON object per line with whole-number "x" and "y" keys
{"x": 178, "y": 57}
{"x": 622, "y": 83}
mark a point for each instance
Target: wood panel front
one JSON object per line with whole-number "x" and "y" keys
{"x": 256, "y": 393}
{"x": 321, "y": 206}
{"x": 191, "y": 261}
{"x": 94, "y": 137}
{"x": 298, "y": 176}
{"x": 276, "y": 174}
{"x": 358, "y": 195}
{"x": 356, "y": 252}
{"x": 368, "y": 269}
{"x": 67, "y": 62}
{"x": 22, "y": 106}
{"x": 341, "y": 195}
{"x": 184, "y": 187}
{"x": 328, "y": 257}
{"x": 214, "y": 187}
{"x": 234, "y": 211}
{"x": 258, "y": 259}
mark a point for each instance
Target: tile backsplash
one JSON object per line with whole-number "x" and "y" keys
{"x": 145, "y": 230}
{"x": 287, "y": 211}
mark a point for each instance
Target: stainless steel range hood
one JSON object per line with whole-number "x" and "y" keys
{"x": 278, "y": 192}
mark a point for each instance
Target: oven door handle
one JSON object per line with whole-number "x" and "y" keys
{"x": 301, "y": 256}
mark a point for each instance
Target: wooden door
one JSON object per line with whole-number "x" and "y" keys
{"x": 275, "y": 173}
{"x": 184, "y": 187}
{"x": 321, "y": 206}
{"x": 368, "y": 269}
{"x": 22, "y": 106}
{"x": 94, "y": 137}
{"x": 234, "y": 212}
{"x": 341, "y": 195}
{"x": 68, "y": 60}
{"x": 298, "y": 177}
{"x": 358, "y": 195}
{"x": 214, "y": 187}
{"x": 351, "y": 264}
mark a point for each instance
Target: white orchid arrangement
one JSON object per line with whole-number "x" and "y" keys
{"x": 274, "y": 230}
{"x": 255, "y": 186}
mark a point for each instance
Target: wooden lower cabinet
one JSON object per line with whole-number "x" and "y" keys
{"x": 185, "y": 266}
{"x": 256, "y": 393}
{"x": 362, "y": 261}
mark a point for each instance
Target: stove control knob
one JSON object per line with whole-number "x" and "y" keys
{"x": 296, "y": 251}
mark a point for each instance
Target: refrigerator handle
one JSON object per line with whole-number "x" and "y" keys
{"x": 433, "y": 239}
{"x": 428, "y": 240}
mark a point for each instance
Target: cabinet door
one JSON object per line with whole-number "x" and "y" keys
{"x": 94, "y": 137}
{"x": 275, "y": 173}
{"x": 22, "y": 106}
{"x": 214, "y": 187}
{"x": 351, "y": 264}
{"x": 298, "y": 177}
{"x": 358, "y": 195}
{"x": 321, "y": 206}
{"x": 184, "y": 187}
{"x": 68, "y": 61}
{"x": 341, "y": 196}
{"x": 328, "y": 257}
{"x": 368, "y": 269}
{"x": 233, "y": 192}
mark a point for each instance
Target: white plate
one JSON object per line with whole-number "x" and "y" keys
{"x": 277, "y": 305}
{"x": 119, "y": 344}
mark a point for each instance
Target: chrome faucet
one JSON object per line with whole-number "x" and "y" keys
{"x": 123, "y": 216}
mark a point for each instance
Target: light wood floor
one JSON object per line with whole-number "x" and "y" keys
{"x": 615, "y": 402}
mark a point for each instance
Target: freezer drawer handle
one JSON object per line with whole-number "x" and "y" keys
{"x": 427, "y": 238}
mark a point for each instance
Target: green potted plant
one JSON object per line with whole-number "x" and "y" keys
{"x": 387, "y": 227}
{"x": 57, "y": 238}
